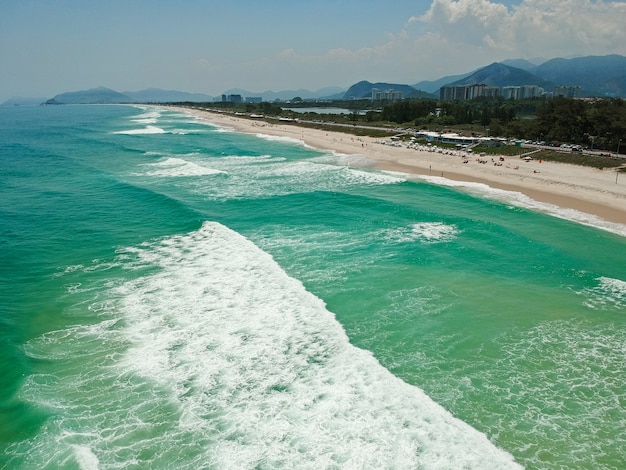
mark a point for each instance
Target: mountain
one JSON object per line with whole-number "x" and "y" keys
{"x": 157, "y": 95}
{"x": 596, "y": 75}
{"x": 100, "y": 95}
{"x": 521, "y": 64}
{"x": 498, "y": 74}
{"x": 330, "y": 93}
{"x": 103, "y": 95}
{"x": 434, "y": 85}
{"x": 23, "y": 101}
{"x": 364, "y": 89}
{"x": 287, "y": 95}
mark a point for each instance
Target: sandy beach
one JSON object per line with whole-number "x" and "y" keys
{"x": 601, "y": 193}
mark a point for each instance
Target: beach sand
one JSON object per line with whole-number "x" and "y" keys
{"x": 601, "y": 193}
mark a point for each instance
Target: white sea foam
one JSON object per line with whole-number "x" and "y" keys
{"x": 85, "y": 458}
{"x": 205, "y": 121}
{"x": 435, "y": 231}
{"x": 145, "y": 130}
{"x": 183, "y": 132}
{"x": 317, "y": 174}
{"x": 234, "y": 338}
{"x": 284, "y": 139}
{"x": 521, "y": 200}
{"x": 176, "y": 167}
{"x": 609, "y": 294}
{"x": 426, "y": 232}
{"x": 149, "y": 117}
{"x": 577, "y": 378}
{"x": 353, "y": 160}
{"x": 222, "y": 129}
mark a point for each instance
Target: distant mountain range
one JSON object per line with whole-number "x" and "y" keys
{"x": 601, "y": 76}
{"x": 156, "y": 95}
{"x": 597, "y": 76}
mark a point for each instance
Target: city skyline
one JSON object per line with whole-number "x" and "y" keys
{"x": 49, "y": 47}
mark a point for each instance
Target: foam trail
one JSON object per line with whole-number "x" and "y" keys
{"x": 175, "y": 167}
{"x": 284, "y": 139}
{"x": 149, "y": 117}
{"x": 246, "y": 349}
{"x": 609, "y": 294}
{"x": 426, "y": 232}
{"x": 85, "y": 458}
{"x": 145, "y": 130}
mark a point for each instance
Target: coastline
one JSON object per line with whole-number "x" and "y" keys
{"x": 589, "y": 191}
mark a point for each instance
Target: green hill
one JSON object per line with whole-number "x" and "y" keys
{"x": 100, "y": 95}
{"x": 364, "y": 89}
{"x": 501, "y": 75}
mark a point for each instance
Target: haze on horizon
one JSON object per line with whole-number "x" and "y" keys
{"x": 209, "y": 46}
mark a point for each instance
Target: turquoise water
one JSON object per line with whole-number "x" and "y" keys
{"x": 176, "y": 295}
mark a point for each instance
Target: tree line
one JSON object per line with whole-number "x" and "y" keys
{"x": 597, "y": 123}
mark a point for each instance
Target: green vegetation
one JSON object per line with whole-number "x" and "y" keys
{"x": 598, "y": 124}
{"x": 473, "y": 115}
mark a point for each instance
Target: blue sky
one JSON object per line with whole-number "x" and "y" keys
{"x": 209, "y": 46}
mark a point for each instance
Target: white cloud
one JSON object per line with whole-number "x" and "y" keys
{"x": 535, "y": 27}
{"x": 287, "y": 53}
{"x": 461, "y": 14}
{"x": 452, "y": 36}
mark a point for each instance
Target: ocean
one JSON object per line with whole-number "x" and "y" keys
{"x": 178, "y": 295}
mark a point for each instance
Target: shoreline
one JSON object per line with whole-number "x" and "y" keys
{"x": 599, "y": 193}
